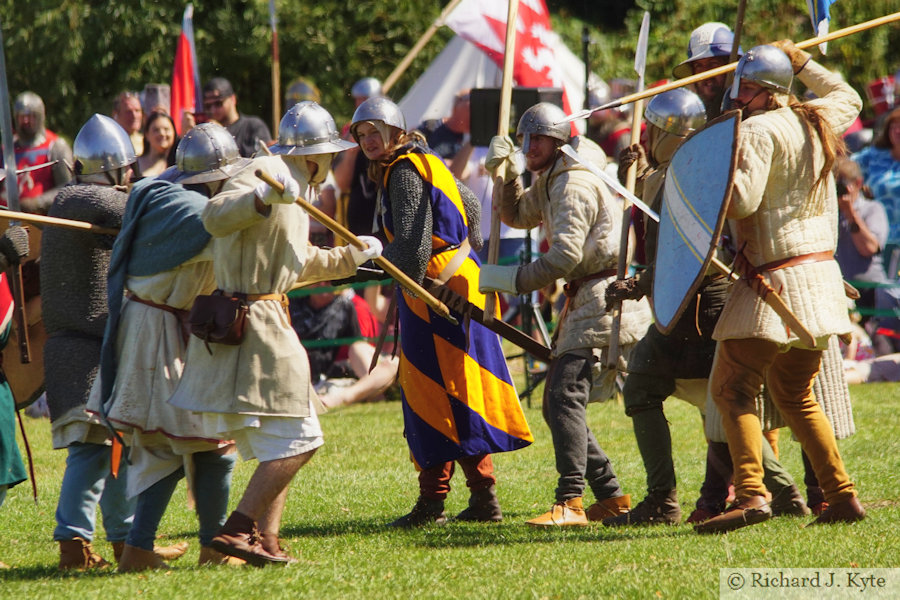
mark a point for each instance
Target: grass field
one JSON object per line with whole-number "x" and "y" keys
{"x": 362, "y": 479}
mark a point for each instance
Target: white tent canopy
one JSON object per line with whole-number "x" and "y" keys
{"x": 461, "y": 65}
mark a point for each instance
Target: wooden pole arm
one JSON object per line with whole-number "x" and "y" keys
{"x": 390, "y": 268}
{"x": 14, "y": 215}
{"x": 776, "y": 302}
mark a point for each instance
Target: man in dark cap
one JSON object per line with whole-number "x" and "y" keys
{"x": 220, "y": 104}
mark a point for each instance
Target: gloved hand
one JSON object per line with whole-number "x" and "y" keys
{"x": 500, "y": 153}
{"x": 496, "y": 278}
{"x": 798, "y": 57}
{"x": 371, "y": 253}
{"x": 622, "y": 289}
{"x": 14, "y": 245}
{"x": 628, "y": 156}
{"x": 269, "y": 196}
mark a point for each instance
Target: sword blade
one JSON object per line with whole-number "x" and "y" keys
{"x": 610, "y": 181}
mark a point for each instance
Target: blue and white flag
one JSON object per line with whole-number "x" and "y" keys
{"x": 818, "y": 14}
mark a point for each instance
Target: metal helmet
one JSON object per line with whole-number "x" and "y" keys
{"x": 207, "y": 153}
{"x": 679, "y": 112}
{"x": 544, "y": 118}
{"x": 766, "y": 65}
{"x": 708, "y": 40}
{"x": 30, "y": 103}
{"x": 367, "y": 87}
{"x": 101, "y": 146}
{"x": 307, "y": 128}
{"x": 378, "y": 109}
{"x": 598, "y": 96}
{"x": 301, "y": 89}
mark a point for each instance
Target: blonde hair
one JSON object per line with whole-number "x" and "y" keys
{"x": 401, "y": 142}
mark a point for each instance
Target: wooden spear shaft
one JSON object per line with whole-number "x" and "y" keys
{"x": 414, "y": 51}
{"x": 14, "y": 215}
{"x": 853, "y": 29}
{"x": 509, "y": 54}
{"x": 390, "y": 268}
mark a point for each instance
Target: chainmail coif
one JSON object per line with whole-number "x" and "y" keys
{"x": 411, "y": 207}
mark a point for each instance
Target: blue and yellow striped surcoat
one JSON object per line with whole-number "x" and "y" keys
{"x": 458, "y": 396}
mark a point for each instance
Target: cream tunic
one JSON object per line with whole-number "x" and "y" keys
{"x": 777, "y": 214}
{"x": 268, "y": 374}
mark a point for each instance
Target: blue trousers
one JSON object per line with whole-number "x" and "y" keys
{"x": 212, "y": 483}
{"x": 86, "y": 483}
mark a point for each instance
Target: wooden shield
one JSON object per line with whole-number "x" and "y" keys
{"x": 695, "y": 198}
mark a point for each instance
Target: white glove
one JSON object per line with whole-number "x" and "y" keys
{"x": 269, "y": 196}
{"x": 496, "y": 278}
{"x": 500, "y": 155}
{"x": 371, "y": 253}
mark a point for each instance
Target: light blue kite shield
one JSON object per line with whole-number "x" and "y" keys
{"x": 695, "y": 198}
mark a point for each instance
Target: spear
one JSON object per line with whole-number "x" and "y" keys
{"x": 414, "y": 51}
{"x": 276, "y": 70}
{"x": 390, "y": 268}
{"x": 14, "y": 215}
{"x": 640, "y": 63}
{"x": 853, "y": 29}
{"x": 509, "y": 54}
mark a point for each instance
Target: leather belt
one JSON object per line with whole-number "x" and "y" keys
{"x": 793, "y": 261}
{"x": 180, "y": 314}
{"x": 571, "y": 288}
{"x": 260, "y": 297}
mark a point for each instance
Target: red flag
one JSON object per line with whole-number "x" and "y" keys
{"x": 185, "y": 75}
{"x": 483, "y": 22}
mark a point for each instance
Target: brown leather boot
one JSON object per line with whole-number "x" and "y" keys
{"x": 172, "y": 552}
{"x": 272, "y": 545}
{"x": 789, "y": 502}
{"x": 426, "y": 510}
{"x": 118, "y": 548}
{"x": 848, "y": 511}
{"x": 78, "y": 554}
{"x": 609, "y": 507}
{"x": 568, "y": 513}
{"x": 136, "y": 559}
{"x": 483, "y": 507}
{"x": 240, "y": 537}
{"x": 658, "y": 508}
{"x": 743, "y": 512}
{"x": 208, "y": 556}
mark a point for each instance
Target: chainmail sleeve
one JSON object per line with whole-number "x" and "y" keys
{"x": 411, "y": 210}
{"x": 473, "y": 214}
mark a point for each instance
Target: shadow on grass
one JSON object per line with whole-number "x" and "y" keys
{"x": 35, "y": 572}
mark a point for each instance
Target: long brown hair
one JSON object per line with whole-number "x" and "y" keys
{"x": 832, "y": 143}
{"x": 401, "y": 141}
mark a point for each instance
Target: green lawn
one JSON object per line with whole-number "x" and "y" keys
{"x": 362, "y": 479}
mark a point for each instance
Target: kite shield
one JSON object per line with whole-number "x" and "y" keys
{"x": 695, "y": 199}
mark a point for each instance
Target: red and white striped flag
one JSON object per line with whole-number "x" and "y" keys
{"x": 186, "y": 91}
{"x": 483, "y": 22}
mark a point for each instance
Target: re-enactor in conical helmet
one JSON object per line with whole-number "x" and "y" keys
{"x": 161, "y": 261}
{"x": 709, "y": 47}
{"x": 261, "y": 250}
{"x": 74, "y": 267}
{"x": 784, "y": 217}
{"x": 582, "y": 221}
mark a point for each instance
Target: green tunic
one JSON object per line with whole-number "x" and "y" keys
{"x": 12, "y": 471}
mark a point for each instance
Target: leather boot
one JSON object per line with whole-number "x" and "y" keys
{"x": 172, "y": 552}
{"x": 272, "y": 545}
{"x": 567, "y": 513}
{"x": 743, "y": 512}
{"x": 78, "y": 554}
{"x": 425, "y": 511}
{"x": 483, "y": 507}
{"x": 136, "y": 559}
{"x": 608, "y": 508}
{"x": 658, "y": 508}
{"x": 208, "y": 556}
{"x": 240, "y": 537}
{"x": 789, "y": 502}
{"x": 847, "y": 511}
{"x": 118, "y": 548}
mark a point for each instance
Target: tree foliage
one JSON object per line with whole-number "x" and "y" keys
{"x": 79, "y": 54}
